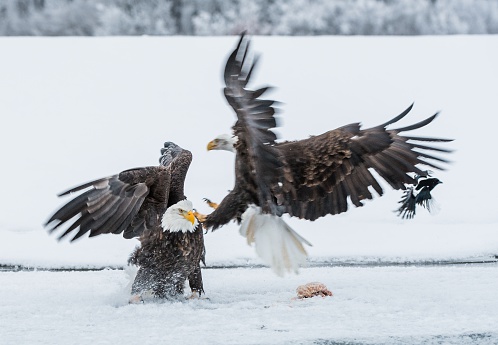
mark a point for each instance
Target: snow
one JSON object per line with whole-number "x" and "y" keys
{"x": 386, "y": 305}
{"x": 75, "y": 109}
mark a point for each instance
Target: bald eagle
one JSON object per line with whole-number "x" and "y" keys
{"x": 313, "y": 177}
{"x": 148, "y": 203}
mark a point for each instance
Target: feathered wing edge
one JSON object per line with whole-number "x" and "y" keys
{"x": 110, "y": 205}
{"x": 255, "y": 119}
{"x": 275, "y": 242}
{"x": 391, "y": 154}
{"x": 405, "y": 154}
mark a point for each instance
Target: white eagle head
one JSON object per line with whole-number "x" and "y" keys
{"x": 224, "y": 142}
{"x": 180, "y": 217}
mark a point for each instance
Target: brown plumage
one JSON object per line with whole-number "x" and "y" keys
{"x": 133, "y": 202}
{"x": 313, "y": 177}
{"x": 335, "y": 165}
{"x": 166, "y": 260}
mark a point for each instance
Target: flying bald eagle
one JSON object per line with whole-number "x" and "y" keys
{"x": 308, "y": 178}
{"x": 410, "y": 199}
{"x": 148, "y": 203}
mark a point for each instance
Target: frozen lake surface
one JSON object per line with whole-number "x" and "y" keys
{"x": 383, "y": 305}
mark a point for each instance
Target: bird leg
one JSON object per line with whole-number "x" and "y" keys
{"x": 202, "y": 217}
{"x": 135, "y": 299}
{"x": 195, "y": 295}
{"x": 210, "y": 203}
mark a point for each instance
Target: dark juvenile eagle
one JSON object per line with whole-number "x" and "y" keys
{"x": 148, "y": 203}
{"x": 308, "y": 178}
{"x": 423, "y": 197}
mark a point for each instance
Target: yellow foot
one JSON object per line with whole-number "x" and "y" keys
{"x": 210, "y": 203}
{"x": 135, "y": 299}
{"x": 194, "y": 295}
{"x": 200, "y": 217}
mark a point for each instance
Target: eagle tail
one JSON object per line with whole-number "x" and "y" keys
{"x": 275, "y": 242}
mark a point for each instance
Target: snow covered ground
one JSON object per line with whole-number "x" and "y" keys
{"x": 387, "y": 305}
{"x": 75, "y": 109}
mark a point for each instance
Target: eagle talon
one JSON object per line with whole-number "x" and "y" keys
{"x": 197, "y": 295}
{"x": 200, "y": 217}
{"x": 135, "y": 299}
{"x": 194, "y": 295}
{"x": 210, "y": 203}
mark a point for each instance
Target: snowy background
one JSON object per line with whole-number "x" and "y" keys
{"x": 75, "y": 109}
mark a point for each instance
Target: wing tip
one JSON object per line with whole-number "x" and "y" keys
{"x": 398, "y": 117}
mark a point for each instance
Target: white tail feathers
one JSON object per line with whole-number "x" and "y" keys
{"x": 276, "y": 243}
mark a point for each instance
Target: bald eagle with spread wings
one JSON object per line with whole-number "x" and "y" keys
{"x": 308, "y": 178}
{"x": 148, "y": 203}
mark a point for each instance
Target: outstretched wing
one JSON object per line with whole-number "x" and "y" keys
{"x": 255, "y": 119}
{"x": 129, "y": 202}
{"x": 408, "y": 204}
{"x": 322, "y": 172}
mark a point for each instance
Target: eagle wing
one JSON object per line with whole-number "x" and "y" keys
{"x": 316, "y": 176}
{"x": 322, "y": 172}
{"x": 128, "y": 201}
{"x": 255, "y": 119}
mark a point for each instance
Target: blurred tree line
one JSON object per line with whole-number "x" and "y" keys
{"x": 260, "y": 17}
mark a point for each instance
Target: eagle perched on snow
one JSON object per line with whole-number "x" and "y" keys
{"x": 308, "y": 178}
{"x": 148, "y": 203}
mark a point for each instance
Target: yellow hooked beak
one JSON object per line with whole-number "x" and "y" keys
{"x": 189, "y": 216}
{"x": 211, "y": 145}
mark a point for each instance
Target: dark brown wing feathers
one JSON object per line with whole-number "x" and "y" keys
{"x": 332, "y": 167}
{"x": 98, "y": 184}
{"x": 130, "y": 203}
{"x": 111, "y": 203}
{"x": 317, "y": 176}
{"x": 255, "y": 119}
